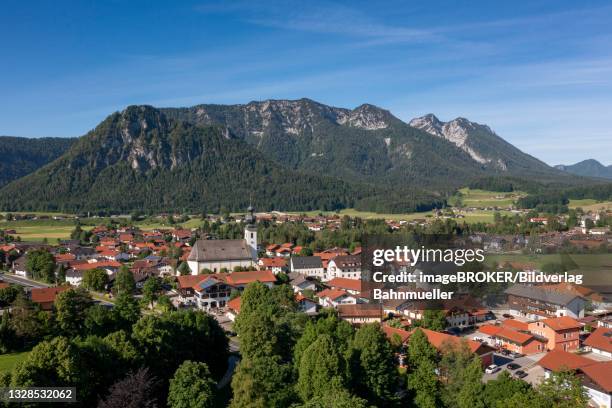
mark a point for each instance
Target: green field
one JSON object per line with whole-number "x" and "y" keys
{"x": 591, "y": 205}
{"x": 8, "y": 361}
{"x": 596, "y": 268}
{"x": 484, "y": 198}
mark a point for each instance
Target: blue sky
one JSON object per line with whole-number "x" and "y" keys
{"x": 538, "y": 72}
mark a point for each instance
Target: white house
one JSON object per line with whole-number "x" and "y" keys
{"x": 344, "y": 266}
{"x": 307, "y": 265}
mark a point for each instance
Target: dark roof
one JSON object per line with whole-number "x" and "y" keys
{"x": 220, "y": 250}
{"x": 306, "y": 262}
{"x": 347, "y": 261}
{"x": 547, "y": 296}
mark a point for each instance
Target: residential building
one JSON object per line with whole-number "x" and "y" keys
{"x": 361, "y": 313}
{"x": 307, "y": 265}
{"x": 45, "y": 297}
{"x": 537, "y": 303}
{"x": 600, "y": 342}
{"x": 344, "y": 266}
{"x": 562, "y": 333}
{"x": 513, "y": 340}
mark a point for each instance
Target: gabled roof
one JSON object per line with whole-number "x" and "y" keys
{"x": 562, "y": 323}
{"x": 600, "y": 339}
{"x": 600, "y": 373}
{"x": 333, "y": 294}
{"x": 559, "y": 360}
{"x": 45, "y": 295}
{"x": 235, "y": 304}
{"x": 438, "y": 340}
{"x": 515, "y": 324}
{"x": 504, "y": 333}
{"x": 306, "y": 262}
{"x": 360, "y": 310}
{"x": 220, "y": 250}
{"x": 536, "y": 293}
{"x": 242, "y": 278}
{"x": 189, "y": 281}
{"x": 390, "y": 331}
{"x": 346, "y": 284}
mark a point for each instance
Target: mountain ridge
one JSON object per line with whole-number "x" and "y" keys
{"x": 325, "y": 157}
{"x": 587, "y": 168}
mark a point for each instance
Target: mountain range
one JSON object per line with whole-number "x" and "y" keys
{"x": 588, "y": 168}
{"x": 278, "y": 154}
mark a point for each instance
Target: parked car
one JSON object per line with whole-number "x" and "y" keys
{"x": 493, "y": 368}
{"x": 516, "y": 355}
{"x": 508, "y": 316}
{"x": 513, "y": 366}
{"x": 505, "y": 352}
{"x": 520, "y": 374}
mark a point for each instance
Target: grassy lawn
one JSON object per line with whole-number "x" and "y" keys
{"x": 484, "y": 198}
{"x": 591, "y": 205}
{"x": 8, "y": 361}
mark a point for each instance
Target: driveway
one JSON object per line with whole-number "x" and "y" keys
{"x": 535, "y": 373}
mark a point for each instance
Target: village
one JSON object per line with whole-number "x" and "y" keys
{"x": 532, "y": 332}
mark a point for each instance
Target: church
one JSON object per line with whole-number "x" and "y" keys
{"x": 218, "y": 254}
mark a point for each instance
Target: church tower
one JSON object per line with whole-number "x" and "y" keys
{"x": 250, "y": 232}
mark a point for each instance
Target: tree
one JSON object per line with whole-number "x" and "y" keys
{"x": 321, "y": 369}
{"x": 95, "y": 279}
{"x": 434, "y": 320}
{"x": 419, "y": 349}
{"x": 54, "y": 363}
{"x": 377, "y": 373}
{"x": 99, "y": 320}
{"x": 262, "y": 382}
{"x": 183, "y": 269}
{"x": 28, "y": 322}
{"x": 423, "y": 382}
{"x": 124, "y": 282}
{"x": 136, "y": 390}
{"x": 61, "y": 273}
{"x": 151, "y": 290}
{"x": 496, "y": 392}
{"x": 9, "y": 294}
{"x": 71, "y": 310}
{"x": 305, "y": 251}
{"x": 336, "y": 398}
{"x": 564, "y": 390}
{"x": 455, "y": 358}
{"x": 165, "y": 303}
{"x": 191, "y": 387}
{"x": 470, "y": 394}
{"x": 40, "y": 265}
{"x": 127, "y": 311}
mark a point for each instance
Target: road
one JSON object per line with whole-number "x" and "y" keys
{"x": 18, "y": 280}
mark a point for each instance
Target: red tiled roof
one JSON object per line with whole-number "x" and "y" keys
{"x": 360, "y": 310}
{"x": 241, "y": 278}
{"x": 437, "y": 340}
{"x": 558, "y": 360}
{"x": 562, "y": 323}
{"x": 515, "y": 324}
{"x": 189, "y": 281}
{"x": 274, "y": 262}
{"x": 235, "y": 304}
{"x": 45, "y": 295}
{"x": 344, "y": 283}
{"x": 601, "y": 373}
{"x": 489, "y": 329}
{"x": 333, "y": 294}
{"x": 600, "y": 339}
{"x": 390, "y": 331}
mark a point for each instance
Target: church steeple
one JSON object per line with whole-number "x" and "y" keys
{"x": 250, "y": 232}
